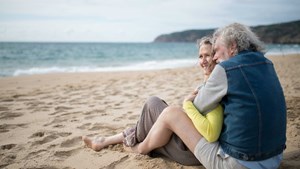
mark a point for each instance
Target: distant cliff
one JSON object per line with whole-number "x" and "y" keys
{"x": 284, "y": 33}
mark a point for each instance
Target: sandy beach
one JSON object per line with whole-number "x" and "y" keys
{"x": 42, "y": 117}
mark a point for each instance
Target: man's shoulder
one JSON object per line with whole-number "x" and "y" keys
{"x": 244, "y": 58}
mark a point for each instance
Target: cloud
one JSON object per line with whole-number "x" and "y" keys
{"x": 130, "y": 20}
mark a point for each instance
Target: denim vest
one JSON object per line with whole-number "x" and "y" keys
{"x": 254, "y": 108}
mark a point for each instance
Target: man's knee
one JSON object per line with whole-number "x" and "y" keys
{"x": 174, "y": 109}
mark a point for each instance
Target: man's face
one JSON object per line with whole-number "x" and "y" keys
{"x": 220, "y": 51}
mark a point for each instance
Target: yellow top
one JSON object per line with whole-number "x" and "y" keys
{"x": 209, "y": 125}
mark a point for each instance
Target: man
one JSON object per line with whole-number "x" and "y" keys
{"x": 246, "y": 85}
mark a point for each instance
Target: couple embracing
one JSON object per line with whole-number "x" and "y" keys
{"x": 235, "y": 119}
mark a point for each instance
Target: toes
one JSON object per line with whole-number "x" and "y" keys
{"x": 87, "y": 141}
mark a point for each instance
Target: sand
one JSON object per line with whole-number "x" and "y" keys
{"x": 42, "y": 117}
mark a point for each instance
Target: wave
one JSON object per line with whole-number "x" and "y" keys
{"x": 148, "y": 65}
{"x": 280, "y": 49}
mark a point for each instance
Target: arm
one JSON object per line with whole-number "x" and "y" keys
{"x": 212, "y": 91}
{"x": 210, "y": 125}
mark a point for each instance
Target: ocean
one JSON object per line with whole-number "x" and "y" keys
{"x": 39, "y": 58}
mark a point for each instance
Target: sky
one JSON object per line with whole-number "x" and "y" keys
{"x": 131, "y": 20}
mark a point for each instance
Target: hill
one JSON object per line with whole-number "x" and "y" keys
{"x": 284, "y": 33}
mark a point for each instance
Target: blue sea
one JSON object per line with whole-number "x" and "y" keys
{"x": 40, "y": 58}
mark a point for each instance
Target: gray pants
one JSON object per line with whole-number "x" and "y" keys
{"x": 175, "y": 150}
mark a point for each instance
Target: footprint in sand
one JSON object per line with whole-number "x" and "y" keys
{"x": 64, "y": 134}
{"x": 7, "y": 146}
{"x": 7, "y": 160}
{"x": 9, "y": 115}
{"x": 118, "y": 119}
{"x": 52, "y": 136}
{"x": 98, "y": 98}
{"x": 92, "y": 112}
{"x": 7, "y": 100}
{"x": 65, "y": 154}
{"x": 4, "y": 108}
{"x": 122, "y": 161}
{"x": 96, "y": 127}
{"x": 7, "y": 157}
{"x": 58, "y": 126}
{"x": 35, "y": 154}
{"x": 99, "y": 126}
{"x": 57, "y": 120}
{"x": 71, "y": 142}
{"x": 133, "y": 117}
{"x": 47, "y": 139}
{"x": 62, "y": 108}
{"x": 90, "y": 117}
{"x": 7, "y": 127}
{"x": 37, "y": 134}
{"x": 84, "y": 126}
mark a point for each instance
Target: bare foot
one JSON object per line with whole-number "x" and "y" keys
{"x": 96, "y": 144}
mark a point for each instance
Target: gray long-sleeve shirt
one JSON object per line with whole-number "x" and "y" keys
{"x": 212, "y": 92}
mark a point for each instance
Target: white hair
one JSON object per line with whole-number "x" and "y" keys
{"x": 205, "y": 40}
{"x": 240, "y": 34}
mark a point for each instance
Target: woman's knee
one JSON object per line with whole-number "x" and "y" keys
{"x": 155, "y": 101}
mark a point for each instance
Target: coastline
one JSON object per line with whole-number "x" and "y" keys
{"x": 18, "y": 59}
{"x": 43, "y": 116}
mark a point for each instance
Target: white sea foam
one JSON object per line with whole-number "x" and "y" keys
{"x": 40, "y": 58}
{"x": 148, "y": 65}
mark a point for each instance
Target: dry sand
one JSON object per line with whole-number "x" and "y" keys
{"x": 43, "y": 116}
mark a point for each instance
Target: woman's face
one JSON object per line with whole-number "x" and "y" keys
{"x": 206, "y": 58}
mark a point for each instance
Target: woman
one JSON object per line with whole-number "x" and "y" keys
{"x": 173, "y": 148}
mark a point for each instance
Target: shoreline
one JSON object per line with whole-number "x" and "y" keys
{"x": 43, "y": 116}
{"x": 150, "y": 65}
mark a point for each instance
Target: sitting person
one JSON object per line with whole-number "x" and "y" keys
{"x": 245, "y": 83}
{"x": 209, "y": 124}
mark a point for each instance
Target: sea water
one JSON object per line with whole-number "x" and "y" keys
{"x": 39, "y": 58}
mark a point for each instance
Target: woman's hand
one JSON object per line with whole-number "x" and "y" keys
{"x": 191, "y": 96}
